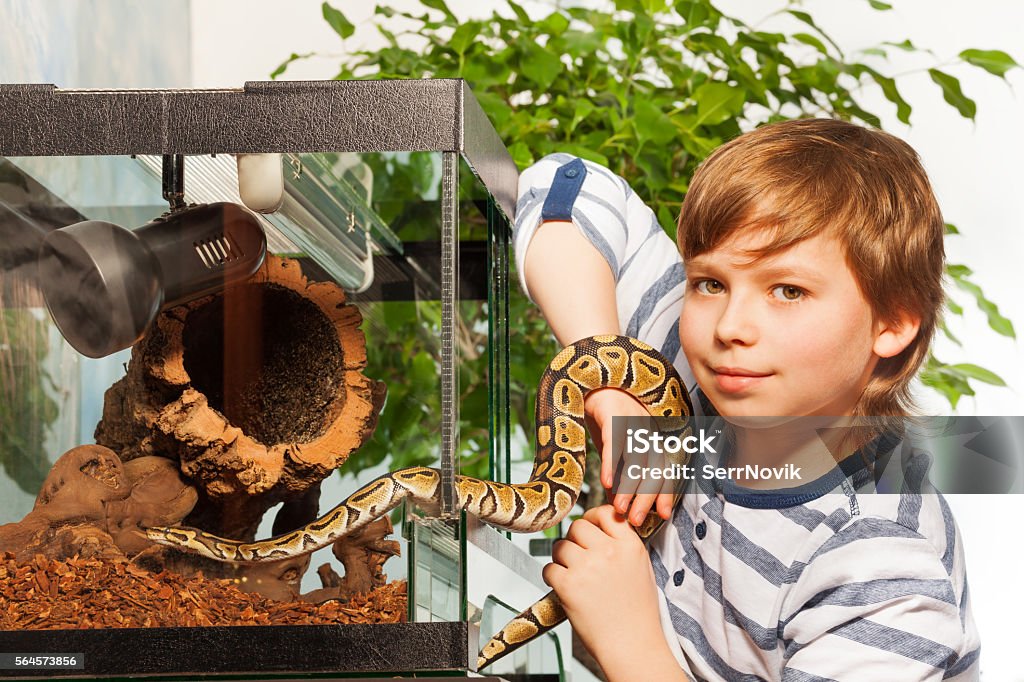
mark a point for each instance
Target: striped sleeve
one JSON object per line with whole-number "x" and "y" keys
{"x": 876, "y": 601}
{"x": 643, "y": 259}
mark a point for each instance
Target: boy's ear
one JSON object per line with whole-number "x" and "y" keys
{"x": 893, "y": 336}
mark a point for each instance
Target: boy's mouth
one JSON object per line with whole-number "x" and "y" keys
{"x": 737, "y": 379}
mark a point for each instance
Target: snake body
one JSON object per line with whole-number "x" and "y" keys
{"x": 539, "y": 503}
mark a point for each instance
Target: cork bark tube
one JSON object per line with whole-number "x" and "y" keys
{"x": 258, "y": 394}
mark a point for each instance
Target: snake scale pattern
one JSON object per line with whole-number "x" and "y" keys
{"x": 539, "y": 503}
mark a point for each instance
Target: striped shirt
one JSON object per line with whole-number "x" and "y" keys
{"x": 847, "y": 584}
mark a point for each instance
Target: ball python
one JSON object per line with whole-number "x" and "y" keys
{"x": 539, "y": 503}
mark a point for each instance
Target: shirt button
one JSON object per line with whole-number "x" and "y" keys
{"x": 571, "y": 173}
{"x": 678, "y": 577}
{"x": 702, "y": 530}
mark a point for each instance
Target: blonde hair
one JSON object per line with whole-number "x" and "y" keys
{"x": 797, "y": 179}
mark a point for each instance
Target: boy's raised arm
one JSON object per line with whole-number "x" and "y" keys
{"x": 570, "y": 282}
{"x": 593, "y": 257}
{"x": 595, "y": 260}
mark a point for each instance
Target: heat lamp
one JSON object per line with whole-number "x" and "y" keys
{"x": 105, "y": 284}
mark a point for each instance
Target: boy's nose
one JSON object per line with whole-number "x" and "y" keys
{"x": 736, "y": 324}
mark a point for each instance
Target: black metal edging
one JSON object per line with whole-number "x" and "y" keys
{"x": 265, "y": 116}
{"x": 272, "y": 116}
{"x": 399, "y": 647}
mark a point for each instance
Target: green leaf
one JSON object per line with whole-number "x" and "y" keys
{"x": 540, "y": 66}
{"x": 584, "y": 107}
{"x": 952, "y": 93}
{"x": 440, "y": 6}
{"x": 495, "y": 106}
{"x": 639, "y": 30}
{"x": 667, "y": 218}
{"x": 995, "y": 62}
{"x": 950, "y": 335}
{"x": 906, "y": 45}
{"x": 463, "y": 36}
{"x": 979, "y": 373}
{"x": 951, "y": 229}
{"x": 879, "y": 5}
{"x": 284, "y": 65}
{"x": 808, "y": 39}
{"x": 336, "y": 20}
{"x": 555, "y": 24}
{"x": 586, "y": 153}
{"x": 807, "y": 19}
{"x": 652, "y": 123}
{"x": 655, "y": 6}
{"x": 996, "y": 321}
{"x": 520, "y": 152}
{"x": 950, "y": 383}
{"x": 717, "y": 102}
{"x": 582, "y": 43}
{"x": 850, "y": 108}
{"x": 957, "y": 270}
{"x": 892, "y": 94}
{"x": 520, "y": 12}
{"x": 699, "y": 146}
{"x": 694, "y": 12}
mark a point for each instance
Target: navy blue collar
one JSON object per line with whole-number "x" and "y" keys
{"x": 839, "y": 479}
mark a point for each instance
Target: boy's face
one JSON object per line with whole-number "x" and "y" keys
{"x": 786, "y": 335}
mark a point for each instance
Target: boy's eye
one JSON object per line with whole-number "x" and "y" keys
{"x": 787, "y": 292}
{"x": 709, "y": 286}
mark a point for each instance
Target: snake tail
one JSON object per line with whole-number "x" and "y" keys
{"x": 546, "y": 614}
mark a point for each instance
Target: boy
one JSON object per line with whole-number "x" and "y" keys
{"x": 809, "y": 285}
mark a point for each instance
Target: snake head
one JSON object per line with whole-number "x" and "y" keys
{"x": 165, "y": 536}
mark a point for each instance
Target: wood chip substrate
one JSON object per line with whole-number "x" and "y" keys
{"x": 80, "y": 593}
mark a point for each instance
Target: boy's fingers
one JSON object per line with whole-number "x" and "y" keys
{"x": 668, "y": 488}
{"x": 624, "y": 492}
{"x": 553, "y": 575}
{"x": 629, "y": 482}
{"x": 584, "y": 533}
{"x": 608, "y": 521}
{"x": 565, "y": 552}
{"x": 665, "y": 504}
{"x": 641, "y": 505}
{"x": 593, "y": 514}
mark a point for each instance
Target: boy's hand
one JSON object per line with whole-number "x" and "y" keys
{"x": 602, "y": 550}
{"x": 599, "y": 408}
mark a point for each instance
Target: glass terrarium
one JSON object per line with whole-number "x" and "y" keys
{"x": 372, "y": 336}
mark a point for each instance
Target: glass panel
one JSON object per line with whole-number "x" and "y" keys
{"x": 479, "y": 348}
{"x": 437, "y": 550}
{"x": 42, "y": 401}
{"x": 498, "y": 256}
{"x": 54, "y": 398}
